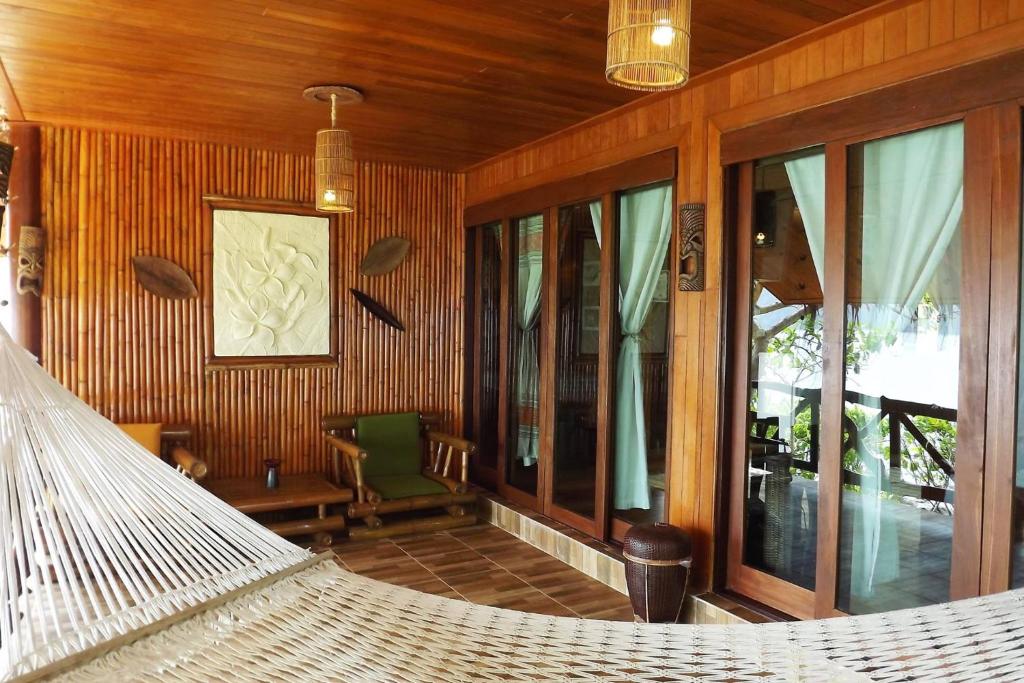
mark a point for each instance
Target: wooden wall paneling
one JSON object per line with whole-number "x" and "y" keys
{"x": 921, "y": 39}
{"x": 110, "y": 196}
{"x": 833, "y": 380}
{"x": 1004, "y": 343}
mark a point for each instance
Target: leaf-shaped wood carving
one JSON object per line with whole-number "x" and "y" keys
{"x": 163, "y": 278}
{"x": 384, "y": 256}
{"x": 377, "y": 310}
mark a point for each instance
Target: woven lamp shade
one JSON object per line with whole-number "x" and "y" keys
{"x": 335, "y": 171}
{"x": 648, "y": 44}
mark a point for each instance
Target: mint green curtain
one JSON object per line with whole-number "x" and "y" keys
{"x": 595, "y": 217}
{"x": 530, "y": 250}
{"x": 807, "y": 178}
{"x": 645, "y": 229}
{"x": 913, "y": 203}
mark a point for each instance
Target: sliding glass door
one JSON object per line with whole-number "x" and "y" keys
{"x": 904, "y": 248}
{"x": 526, "y": 286}
{"x": 640, "y": 405}
{"x": 858, "y": 455}
{"x": 583, "y": 351}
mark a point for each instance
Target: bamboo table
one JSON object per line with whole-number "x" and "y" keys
{"x": 251, "y": 496}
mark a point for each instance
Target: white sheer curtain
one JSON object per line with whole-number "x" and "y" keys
{"x": 909, "y": 247}
{"x": 913, "y": 203}
{"x": 645, "y": 228}
{"x": 530, "y": 250}
{"x": 807, "y": 178}
{"x": 595, "y": 217}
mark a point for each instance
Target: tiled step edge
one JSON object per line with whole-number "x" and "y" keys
{"x": 605, "y": 566}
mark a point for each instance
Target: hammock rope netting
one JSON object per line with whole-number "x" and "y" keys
{"x": 116, "y": 567}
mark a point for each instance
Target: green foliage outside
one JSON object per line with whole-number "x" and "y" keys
{"x": 797, "y": 341}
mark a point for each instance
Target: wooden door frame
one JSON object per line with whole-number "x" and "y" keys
{"x": 990, "y": 290}
{"x": 547, "y": 199}
{"x": 1004, "y": 344}
{"x": 596, "y": 526}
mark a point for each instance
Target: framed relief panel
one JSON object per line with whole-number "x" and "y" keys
{"x": 271, "y": 269}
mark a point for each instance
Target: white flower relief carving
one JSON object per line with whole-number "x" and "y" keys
{"x": 271, "y": 284}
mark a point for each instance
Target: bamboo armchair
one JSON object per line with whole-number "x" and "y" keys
{"x": 169, "y": 443}
{"x": 401, "y": 463}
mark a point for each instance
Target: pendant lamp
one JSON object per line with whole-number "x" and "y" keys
{"x": 335, "y": 166}
{"x": 648, "y": 44}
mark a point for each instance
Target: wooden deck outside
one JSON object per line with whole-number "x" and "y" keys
{"x": 487, "y": 566}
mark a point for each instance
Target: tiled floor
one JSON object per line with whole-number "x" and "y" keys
{"x": 487, "y": 566}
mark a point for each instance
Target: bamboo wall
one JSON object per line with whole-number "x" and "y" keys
{"x": 137, "y": 358}
{"x": 884, "y": 45}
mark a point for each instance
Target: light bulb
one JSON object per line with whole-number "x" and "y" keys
{"x": 330, "y": 196}
{"x": 663, "y": 35}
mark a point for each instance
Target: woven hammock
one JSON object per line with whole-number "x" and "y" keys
{"x": 115, "y": 567}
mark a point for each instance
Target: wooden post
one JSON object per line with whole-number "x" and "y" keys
{"x": 24, "y": 209}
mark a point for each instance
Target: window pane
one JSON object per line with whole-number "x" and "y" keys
{"x": 785, "y": 367}
{"x": 488, "y": 309}
{"x": 579, "y": 319}
{"x": 641, "y": 397}
{"x": 524, "y": 359}
{"x": 905, "y": 199}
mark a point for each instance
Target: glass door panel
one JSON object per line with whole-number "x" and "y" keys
{"x": 576, "y": 374}
{"x": 902, "y": 360}
{"x": 786, "y": 362}
{"x": 524, "y": 358}
{"x": 488, "y": 307}
{"x": 640, "y": 401}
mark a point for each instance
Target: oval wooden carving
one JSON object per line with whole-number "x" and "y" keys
{"x": 384, "y": 256}
{"x": 163, "y": 278}
{"x": 377, "y": 310}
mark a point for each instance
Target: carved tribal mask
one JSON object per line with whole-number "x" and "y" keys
{"x": 30, "y": 260}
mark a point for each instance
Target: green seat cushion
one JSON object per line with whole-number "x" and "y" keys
{"x": 392, "y": 444}
{"x": 392, "y": 487}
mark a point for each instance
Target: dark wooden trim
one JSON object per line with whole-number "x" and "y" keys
{"x": 25, "y": 208}
{"x": 505, "y": 334}
{"x": 763, "y": 587}
{"x": 573, "y": 519}
{"x": 773, "y": 592}
{"x": 946, "y": 93}
{"x": 634, "y": 173}
{"x": 606, "y": 363}
{"x": 1004, "y": 342}
{"x": 738, "y": 387}
{"x": 213, "y": 203}
{"x": 547, "y": 356}
{"x": 830, "y": 489}
{"x": 979, "y": 139}
{"x": 473, "y": 383}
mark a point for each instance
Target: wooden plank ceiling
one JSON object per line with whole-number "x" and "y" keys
{"x": 448, "y": 82}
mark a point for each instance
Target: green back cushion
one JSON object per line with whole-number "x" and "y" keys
{"x": 392, "y": 443}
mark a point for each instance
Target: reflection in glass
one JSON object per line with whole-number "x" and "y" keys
{"x": 524, "y": 360}
{"x": 785, "y": 367}
{"x": 641, "y": 397}
{"x": 579, "y": 319}
{"x": 905, "y": 201}
{"x": 488, "y": 309}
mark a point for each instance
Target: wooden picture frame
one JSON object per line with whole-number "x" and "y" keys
{"x": 213, "y": 204}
